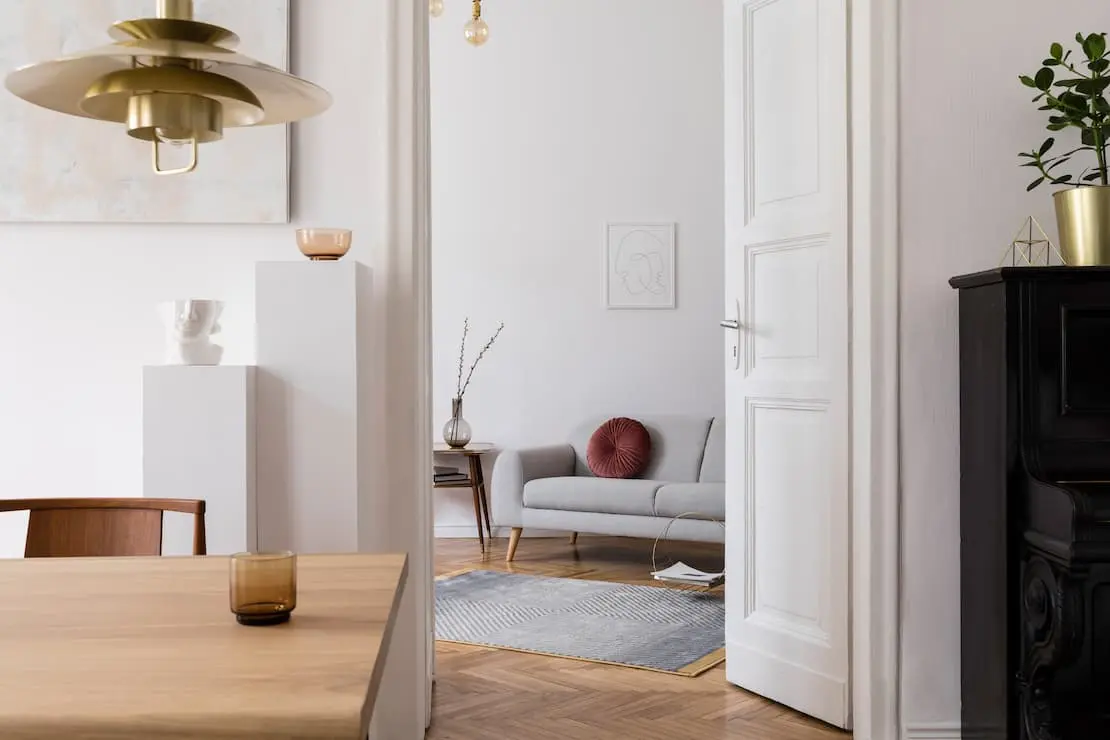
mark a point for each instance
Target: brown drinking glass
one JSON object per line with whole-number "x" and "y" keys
{"x": 263, "y": 587}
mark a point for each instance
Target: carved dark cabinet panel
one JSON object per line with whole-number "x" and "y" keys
{"x": 1035, "y": 503}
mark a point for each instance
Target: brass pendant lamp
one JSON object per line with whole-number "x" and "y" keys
{"x": 171, "y": 80}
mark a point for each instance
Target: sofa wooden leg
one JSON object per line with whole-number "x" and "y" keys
{"x": 574, "y": 538}
{"x": 514, "y": 540}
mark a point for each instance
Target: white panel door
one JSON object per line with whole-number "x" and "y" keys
{"x": 786, "y": 184}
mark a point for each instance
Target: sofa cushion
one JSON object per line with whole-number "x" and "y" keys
{"x": 595, "y": 495}
{"x": 700, "y": 500}
{"x": 677, "y": 446}
{"x": 713, "y": 463}
{"x": 620, "y": 448}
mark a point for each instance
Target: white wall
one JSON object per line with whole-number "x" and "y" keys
{"x": 76, "y": 301}
{"x": 964, "y": 118}
{"x": 576, "y": 112}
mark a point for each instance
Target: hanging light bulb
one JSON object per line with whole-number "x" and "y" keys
{"x": 476, "y": 30}
{"x": 435, "y": 8}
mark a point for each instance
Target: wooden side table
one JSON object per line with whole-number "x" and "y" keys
{"x": 476, "y": 481}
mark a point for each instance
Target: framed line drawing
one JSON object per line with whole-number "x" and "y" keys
{"x": 639, "y": 265}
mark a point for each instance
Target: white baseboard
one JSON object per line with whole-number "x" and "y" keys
{"x": 452, "y": 531}
{"x": 933, "y": 731}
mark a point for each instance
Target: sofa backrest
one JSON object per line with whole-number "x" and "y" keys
{"x": 677, "y": 446}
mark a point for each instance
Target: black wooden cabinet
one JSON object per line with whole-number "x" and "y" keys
{"x": 1035, "y": 503}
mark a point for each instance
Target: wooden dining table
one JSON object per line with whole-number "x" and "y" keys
{"x": 147, "y": 648}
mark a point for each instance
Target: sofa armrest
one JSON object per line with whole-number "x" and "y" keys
{"x": 514, "y": 468}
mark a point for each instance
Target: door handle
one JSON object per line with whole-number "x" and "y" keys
{"x": 731, "y": 324}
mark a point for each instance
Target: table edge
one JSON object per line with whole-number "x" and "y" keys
{"x": 374, "y": 686}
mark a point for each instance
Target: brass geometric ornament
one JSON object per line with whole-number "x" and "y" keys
{"x": 1031, "y": 247}
{"x": 170, "y": 80}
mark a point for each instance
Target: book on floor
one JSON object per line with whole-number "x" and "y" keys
{"x": 682, "y": 573}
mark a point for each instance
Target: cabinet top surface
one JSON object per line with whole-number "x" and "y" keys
{"x": 1030, "y": 274}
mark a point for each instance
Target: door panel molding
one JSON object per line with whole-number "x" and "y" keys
{"x": 758, "y": 607}
{"x": 785, "y": 131}
{"x": 753, "y": 320}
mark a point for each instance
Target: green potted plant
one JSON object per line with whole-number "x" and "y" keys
{"x": 1072, "y": 89}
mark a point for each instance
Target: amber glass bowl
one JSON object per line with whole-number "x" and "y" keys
{"x": 263, "y": 587}
{"x": 324, "y": 244}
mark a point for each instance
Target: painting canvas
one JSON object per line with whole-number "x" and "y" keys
{"x": 639, "y": 265}
{"x": 69, "y": 169}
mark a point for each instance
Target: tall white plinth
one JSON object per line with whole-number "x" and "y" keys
{"x": 199, "y": 443}
{"x": 314, "y": 403}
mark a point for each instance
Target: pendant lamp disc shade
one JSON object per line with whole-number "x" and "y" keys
{"x": 169, "y": 79}
{"x": 61, "y": 84}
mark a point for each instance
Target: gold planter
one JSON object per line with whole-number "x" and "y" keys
{"x": 1083, "y": 215}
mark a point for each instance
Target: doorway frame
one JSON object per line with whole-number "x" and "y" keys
{"x": 403, "y": 263}
{"x": 875, "y": 244}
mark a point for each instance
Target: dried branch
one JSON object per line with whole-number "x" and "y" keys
{"x": 462, "y": 353}
{"x": 478, "y": 359}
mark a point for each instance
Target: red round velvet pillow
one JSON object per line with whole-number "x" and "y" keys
{"x": 620, "y": 448}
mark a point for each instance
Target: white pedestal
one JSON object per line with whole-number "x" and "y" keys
{"x": 199, "y": 443}
{"x": 314, "y": 404}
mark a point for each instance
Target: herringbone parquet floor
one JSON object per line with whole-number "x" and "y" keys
{"x": 488, "y": 694}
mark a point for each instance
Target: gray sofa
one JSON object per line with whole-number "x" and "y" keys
{"x": 552, "y": 487}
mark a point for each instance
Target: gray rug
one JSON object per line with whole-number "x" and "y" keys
{"x": 658, "y": 628}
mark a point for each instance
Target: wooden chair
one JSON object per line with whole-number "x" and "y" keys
{"x": 101, "y": 527}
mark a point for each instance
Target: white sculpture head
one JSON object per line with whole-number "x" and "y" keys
{"x": 189, "y": 324}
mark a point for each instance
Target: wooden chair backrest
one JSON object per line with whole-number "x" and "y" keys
{"x": 101, "y": 527}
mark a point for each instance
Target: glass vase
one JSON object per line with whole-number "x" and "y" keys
{"x": 456, "y": 432}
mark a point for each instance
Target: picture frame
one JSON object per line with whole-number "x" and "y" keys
{"x": 639, "y": 265}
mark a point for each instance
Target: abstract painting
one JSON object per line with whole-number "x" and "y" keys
{"x": 68, "y": 169}
{"x": 639, "y": 265}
